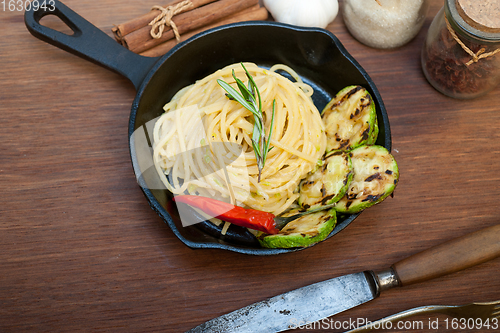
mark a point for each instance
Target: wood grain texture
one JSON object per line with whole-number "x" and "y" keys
{"x": 453, "y": 256}
{"x": 80, "y": 249}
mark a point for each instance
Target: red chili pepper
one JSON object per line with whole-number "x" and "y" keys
{"x": 249, "y": 218}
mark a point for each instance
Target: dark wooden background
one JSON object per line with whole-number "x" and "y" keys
{"x": 80, "y": 249}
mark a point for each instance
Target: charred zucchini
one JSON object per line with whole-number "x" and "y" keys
{"x": 328, "y": 183}
{"x": 350, "y": 119}
{"x": 305, "y": 231}
{"x": 374, "y": 136}
{"x": 376, "y": 175}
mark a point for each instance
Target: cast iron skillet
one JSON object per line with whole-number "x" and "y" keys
{"x": 316, "y": 54}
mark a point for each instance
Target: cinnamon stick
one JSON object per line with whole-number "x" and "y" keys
{"x": 142, "y": 21}
{"x": 140, "y": 40}
{"x": 255, "y": 13}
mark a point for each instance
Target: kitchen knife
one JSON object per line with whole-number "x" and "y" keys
{"x": 312, "y": 303}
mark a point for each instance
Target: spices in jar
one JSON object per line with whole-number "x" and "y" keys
{"x": 384, "y": 23}
{"x": 461, "y": 54}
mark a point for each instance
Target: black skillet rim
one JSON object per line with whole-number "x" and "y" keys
{"x": 161, "y": 211}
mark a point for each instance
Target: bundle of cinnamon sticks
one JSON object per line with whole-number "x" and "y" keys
{"x": 141, "y": 36}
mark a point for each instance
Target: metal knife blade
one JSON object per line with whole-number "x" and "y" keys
{"x": 323, "y": 299}
{"x": 297, "y": 307}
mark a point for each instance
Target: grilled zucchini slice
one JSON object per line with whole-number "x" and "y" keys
{"x": 328, "y": 183}
{"x": 374, "y": 136}
{"x": 376, "y": 175}
{"x": 350, "y": 119}
{"x": 302, "y": 232}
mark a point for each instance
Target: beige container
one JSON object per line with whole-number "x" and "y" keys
{"x": 384, "y": 23}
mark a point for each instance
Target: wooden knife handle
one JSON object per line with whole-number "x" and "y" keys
{"x": 450, "y": 257}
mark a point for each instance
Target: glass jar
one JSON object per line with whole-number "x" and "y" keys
{"x": 384, "y": 23}
{"x": 461, "y": 54}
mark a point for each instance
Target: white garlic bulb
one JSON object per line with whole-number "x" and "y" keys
{"x": 305, "y": 13}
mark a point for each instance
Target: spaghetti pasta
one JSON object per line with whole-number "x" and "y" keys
{"x": 202, "y": 143}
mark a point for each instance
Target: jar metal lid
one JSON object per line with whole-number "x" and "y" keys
{"x": 475, "y": 19}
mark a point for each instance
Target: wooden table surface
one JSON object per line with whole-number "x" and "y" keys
{"x": 80, "y": 249}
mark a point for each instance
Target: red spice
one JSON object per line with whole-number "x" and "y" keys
{"x": 249, "y": 218}
{"x": 445, "y": 66}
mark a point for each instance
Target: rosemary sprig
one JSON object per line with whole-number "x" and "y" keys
{"x": 251, "y": 100}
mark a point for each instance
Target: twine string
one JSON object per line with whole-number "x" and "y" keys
{"x": 165, "y": 19}
{"x": 475, "y": 56}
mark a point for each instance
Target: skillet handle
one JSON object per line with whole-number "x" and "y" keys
{"x": 88, "y": 42}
